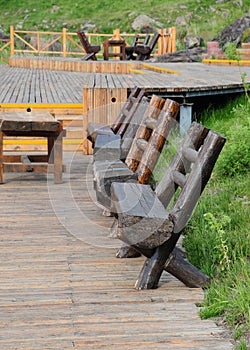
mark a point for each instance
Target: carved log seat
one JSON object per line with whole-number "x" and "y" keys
{"x": 143, "y": 220}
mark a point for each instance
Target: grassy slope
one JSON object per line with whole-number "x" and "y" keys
{"x": 205, "y": 18}
{"x": 218, "y": 239}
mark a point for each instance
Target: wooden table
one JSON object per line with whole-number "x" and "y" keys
{"x": 28, "y": 124}
{"x": 114, "y": 43}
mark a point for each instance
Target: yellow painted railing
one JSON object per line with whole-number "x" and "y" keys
{"x": 67, "y": 44}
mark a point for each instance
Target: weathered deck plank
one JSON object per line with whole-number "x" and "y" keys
{"x": 62, "y": 287}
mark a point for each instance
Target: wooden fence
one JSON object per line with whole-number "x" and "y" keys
{"x": 67, "y": 44}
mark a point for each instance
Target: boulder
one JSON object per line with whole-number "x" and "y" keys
{"x": 143, "y": 21}
{"x": 234, "y": 32}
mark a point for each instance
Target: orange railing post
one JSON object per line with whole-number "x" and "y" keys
{"x": 64, "y": 42}
{"x": 12, "y": 41}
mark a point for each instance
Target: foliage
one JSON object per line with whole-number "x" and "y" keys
{"x": 231, "y": 51}
{"x": 233, "y": 121}
{"x": 245, "y": 35}
{"x": 217, "y": 237}
{"x": 202, "y": 18}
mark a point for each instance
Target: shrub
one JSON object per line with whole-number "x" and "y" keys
{"x": 234, "y": 159}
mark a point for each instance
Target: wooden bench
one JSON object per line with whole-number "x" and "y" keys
{"x": 147, "y": 144}
{"x": 143, "y": 221}
{"x": 91, "y": 50}
{"x": 124, "y": 126}
{"x": 122, "y": 121}
{"x": 32, "y": 125}
{"x": 138, "y": 39}
{"x": 144, "y": 51}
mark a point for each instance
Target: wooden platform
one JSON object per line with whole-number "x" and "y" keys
{"x": 61, "y": 92}
{"x": 24, "y": 87}
{"x": 61, "y": 286}
{"x": 74, "y": 64}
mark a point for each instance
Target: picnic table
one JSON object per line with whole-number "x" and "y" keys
{"x": 29, "y": 124}
{"x": 120, "y": 44}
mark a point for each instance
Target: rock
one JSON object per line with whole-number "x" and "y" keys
{"x": 3, "y": 35}
{"x": 88, "y": 26}
{"x": 19, "y": 26}
{"x": 181, "y": 21}
{"x": 54, "y": 9}
{"x": 144, "y": 21}
{"x": 192, "y": 55}
{"x": 234, "y": 32}
{"x": 191, "y": 42}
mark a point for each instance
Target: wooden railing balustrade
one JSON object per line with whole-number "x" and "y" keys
{"x": 44, "y": 43}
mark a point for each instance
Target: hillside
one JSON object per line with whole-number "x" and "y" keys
{"x": 202, "y": 18}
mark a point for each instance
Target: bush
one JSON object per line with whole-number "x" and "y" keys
{"x": 234, "y": 159}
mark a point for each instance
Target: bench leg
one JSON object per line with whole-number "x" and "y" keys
{"x": 126, "y": 251}
{"x": 50, "y": 146}
{"x": 1, "y": 157}
{"x": 185, "y": 272}
{"x": 176, "y": 265}
{"x": 58, "y": 166}
{"x": 153, "y": 267}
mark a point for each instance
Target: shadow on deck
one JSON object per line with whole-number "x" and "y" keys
{"x": 63, "y": 288}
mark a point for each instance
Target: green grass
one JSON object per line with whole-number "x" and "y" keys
{"x": 217, "y": 237}
{"x": 203, "y": 18}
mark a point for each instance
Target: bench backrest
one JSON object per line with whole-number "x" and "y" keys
{"x": 150, "y": 137}
{"x": 189, "y": 170}
{"x": 153, "y": 41}
{"x": 140, "y": 39}
{"x": 124, "y": 117}
{"x": 84, "y": 40}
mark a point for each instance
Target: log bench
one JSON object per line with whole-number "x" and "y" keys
{"x": 156, "y": 124}
{"x": 28, "y": 124}
{"x": 144, "y": 222}
{"x": 125, "y": 124}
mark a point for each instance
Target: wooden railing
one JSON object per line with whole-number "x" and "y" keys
{"x": 67, "y": 44}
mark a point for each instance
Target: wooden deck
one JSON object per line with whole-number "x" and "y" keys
{"x": 46, "y": 87}
{"x": 62, "y": 287}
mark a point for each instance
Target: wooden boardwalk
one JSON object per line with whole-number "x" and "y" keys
{"x": 38, "y": 86}
{"x": 61, "y": 286}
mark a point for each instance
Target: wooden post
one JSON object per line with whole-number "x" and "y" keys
{"x": 173, "y": 39}
{"x": 38, "y": 42}
{"x": 64, "y": 42}
{"x": 86, "y": 143}
{"x": 12, "y": 41}
{"x": 1, "y": 157}
{"x": 57, "y": 151}
{"x": 162, "y": 41}
{"x": 116, "y": 36}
